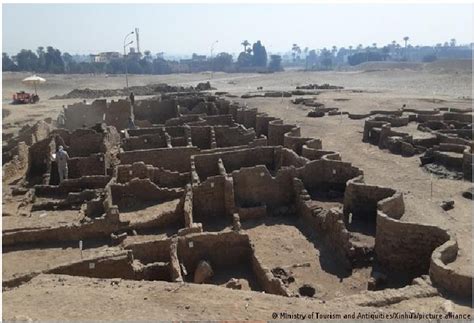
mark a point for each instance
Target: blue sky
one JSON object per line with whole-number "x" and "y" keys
{"x": 187, "y": 28}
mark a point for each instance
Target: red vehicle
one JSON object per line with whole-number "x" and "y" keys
{"x": 25, "y": 98}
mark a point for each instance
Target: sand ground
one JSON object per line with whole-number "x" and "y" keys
{"x": 379, "y": 89}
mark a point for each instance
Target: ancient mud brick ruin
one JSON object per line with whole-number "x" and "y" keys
{"x": 203, "y": 188}
{"x": 444, "y": 136}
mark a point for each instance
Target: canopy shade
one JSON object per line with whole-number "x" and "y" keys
{"x": 33, "y": 80}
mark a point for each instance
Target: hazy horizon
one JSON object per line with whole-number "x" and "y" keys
{"x": 181, "y": 29}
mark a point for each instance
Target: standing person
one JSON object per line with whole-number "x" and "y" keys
{"x": 131, "y": 123}
{"x": 61, "y": 159}
{"x": 132, "y": 98}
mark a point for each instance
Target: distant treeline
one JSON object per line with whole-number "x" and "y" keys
{"x": 251, "y": 59}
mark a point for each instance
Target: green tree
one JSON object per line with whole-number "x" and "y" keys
{"x": 7, "y": 63}
{"x": 245, "y": 43}
{"x": 275, "y": 63}
{"x": 259, "y": 55}
{"x": 244, "y": 59}
{"x": 26, "y": 61}
{"x": 222, "y": 62}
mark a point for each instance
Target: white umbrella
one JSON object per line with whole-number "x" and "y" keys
{"x": 34, "y": 80}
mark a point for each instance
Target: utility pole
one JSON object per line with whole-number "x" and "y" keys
{"x": 125, "y": 44}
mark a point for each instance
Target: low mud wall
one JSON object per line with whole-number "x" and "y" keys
{"x": 174, "y": 159}
{"x": 449, "y": 280}
{"x": 254, "y": 186}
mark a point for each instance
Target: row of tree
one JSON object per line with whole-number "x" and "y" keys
{"x": 329, "y": 58}
{"x": 252, "y": 58}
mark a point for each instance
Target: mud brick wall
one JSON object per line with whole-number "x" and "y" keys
{"x": 114, "y": 266}
{"x": 361, "y": 199}
{"x": 406, "y": 247}
{"x": 84, "y": 166}
{"x": 144, "y": 142}
{"x": 255, "y": 186}
{"x": 442, "y": 276}
{"x": 18, "y": 165}
{"x": 219, "y": 120}
{"x": 250, "y": 118}
{"x": 223, "y": 106}
{"x": 293, "y": 141}
{"x": 157, "y": 112}
{"x": 209, "y": 198}
{"x": 220, "y": 249}
{"x": 84, "y": 142}
{"x": 290, "y": 158}
{"x": 80, "y": 114}
{"x": 325, "y": 174}
{"x": 467, "y": 164}
{"x": 233, "y": 136}
{"x": 201, "y": 137}
{"x": 144, "y": 131}
{"x": 261, "y": 124}
{"x": 149, "y": 251}
{"x": 174, "y": 159}
{"x": 329, "y": 225}
{"x": 39, "y": 160}
{"x": 142, "y": 190}
{"x": 266, "y": 279}
{"x": 159, "y": 176}
{"x": 206, "y": 164}
{"x": 73, "y": 185}
{"x": 448, "y": 160}
{"x": 118, "y": 113}
{"x": 462, "y": 117}
{"x": 276, "y": 132}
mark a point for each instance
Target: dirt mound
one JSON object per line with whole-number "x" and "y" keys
{"x": 450, "y": 65}
{"x": 150, "y": 89}
{"x": 380, "y": 66}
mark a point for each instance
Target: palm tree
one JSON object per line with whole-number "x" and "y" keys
{"x": 452, "y": 42}
{"x": 350, "y": 49}
{"x": 334, "y": 50}
{"x": 359, "y": 47}
{"x": 245, "y": 43}
{"x": 406, "y": 38}
{"x": 375, "y": 45}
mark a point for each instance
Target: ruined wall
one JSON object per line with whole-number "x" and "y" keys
{"x": 261, "y": 124}
{"x": 255, "y": 186}
{"x": 276, "y": 132}
{"x": 325, "y": 174}
{"x": 118, "y": 113}
{"x": 158, "y": 112}
{"x": 148, "y": 141}
{"x": 201, "y": 137}
{"x": 406, "y": 247}
{"x": 84, "y": 166}
{"x": 443, "y": 276}
{"x": 209, "y": 198}
{"x": 79, "y": 115}
{"x": 174, "y": 159}
{"x": 232, "y": 136}
{"x": 219, "y": 120}
{"x": 18, "y": 166}
{"x": 151, "y": 250}
{"x": 206, "y": 164}
{"x": 362, "y": 200}
{"x": 326, "y": 224}
{"x": 39, "y": 159}
{"x": 215, "y": 248}
{"x": 159, "y": 176}
{"x": 84, "y": 142}
{"x": 138, "y": 191}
